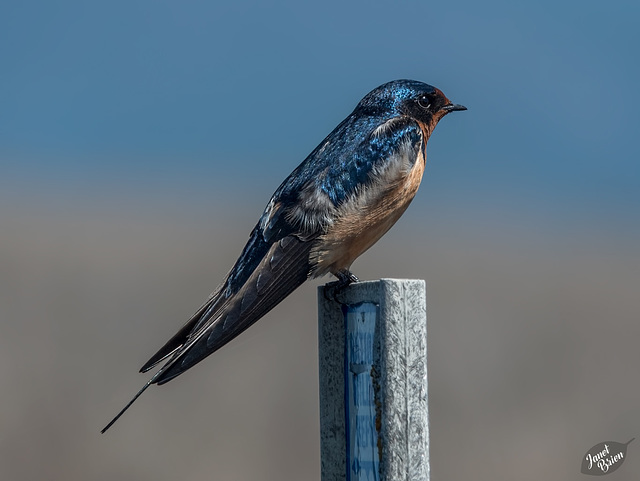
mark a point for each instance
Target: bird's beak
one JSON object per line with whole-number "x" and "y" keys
{"x": 453, "y": 107}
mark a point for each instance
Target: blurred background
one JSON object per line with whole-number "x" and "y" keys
{"x": 140, "y": 142}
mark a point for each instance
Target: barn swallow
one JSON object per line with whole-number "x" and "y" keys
{"x": 335, "y": 205}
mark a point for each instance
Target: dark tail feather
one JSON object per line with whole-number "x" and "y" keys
{"x": 149, "y": 382}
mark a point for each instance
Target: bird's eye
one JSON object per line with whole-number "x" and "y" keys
{"x": 424, "y": 102}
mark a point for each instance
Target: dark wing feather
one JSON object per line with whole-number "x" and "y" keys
{"x": 173, "y": 344}
{"x": 253, "y": 253}
{"x": 281, "y": 271}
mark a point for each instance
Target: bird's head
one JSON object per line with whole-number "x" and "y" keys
{"x": 420, "y": 101}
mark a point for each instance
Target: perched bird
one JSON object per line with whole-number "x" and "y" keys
{"x": 335, "y": 205}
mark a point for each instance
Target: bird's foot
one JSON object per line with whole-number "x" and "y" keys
{"x": 332, "y": 289}
{"x": 346, "y": 277}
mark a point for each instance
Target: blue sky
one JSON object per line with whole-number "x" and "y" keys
{"x": 197, "y": 94}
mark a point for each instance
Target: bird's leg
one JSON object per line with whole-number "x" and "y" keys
{"x": 345, "y": 277}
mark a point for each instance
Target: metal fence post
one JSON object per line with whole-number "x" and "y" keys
{"x": 374, "y": 422}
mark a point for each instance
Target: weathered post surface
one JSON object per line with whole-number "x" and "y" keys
{"x": 374, "y": 421}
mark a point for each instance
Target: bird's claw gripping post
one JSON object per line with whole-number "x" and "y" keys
{"x": 345, "y": 278}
